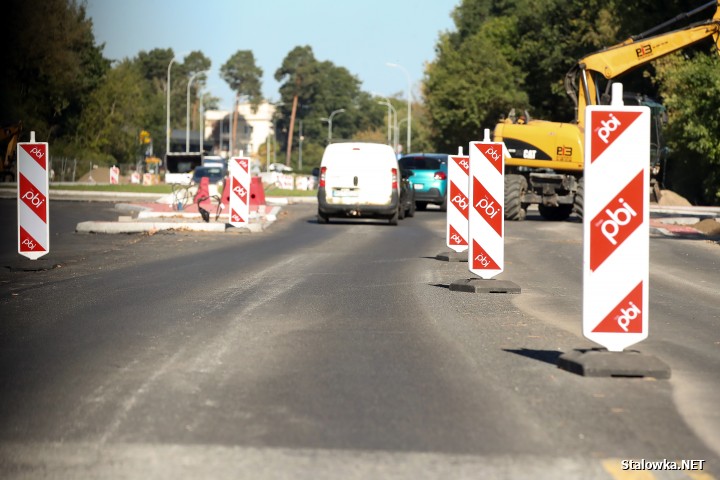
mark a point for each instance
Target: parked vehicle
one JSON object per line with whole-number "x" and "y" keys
{"x": 429, "y": 178}
{"x": 362, "y": 180}
{"x": 215, "y": 175}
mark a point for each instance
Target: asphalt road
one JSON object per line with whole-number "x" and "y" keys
{"x": 337, "y": 351}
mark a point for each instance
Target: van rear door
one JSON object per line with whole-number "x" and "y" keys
{"x": 359, "y": 174}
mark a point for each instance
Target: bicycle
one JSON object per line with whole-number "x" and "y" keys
{"x": 182, "y": 196}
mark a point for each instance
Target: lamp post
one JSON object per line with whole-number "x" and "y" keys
{"x": 409, "y": 118}
{"x": 329, "y": 120}
{"x": 392, "y": 117}
{"x": 187, "y": 120}
{"x": 167, "y": 130}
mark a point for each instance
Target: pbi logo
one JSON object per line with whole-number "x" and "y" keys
{"x": 487, "y": 207}
{"x": 627, "y": 316}
{"x": 607, "y": 127}
{"x": 620, "y": 217}
{"x": 481, "y": 260}
{"x": 617, "y": 221}
{"x": 28, "y": 243}
{"x": 454, "y": 238}
{"x": 492, "y": 152}
{"x": 464, "y": 163}
{"x": 460, "y": 201}
{"x": 243, "y": 163}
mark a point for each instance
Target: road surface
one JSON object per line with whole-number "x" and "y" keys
{"x": 337, "y": 351}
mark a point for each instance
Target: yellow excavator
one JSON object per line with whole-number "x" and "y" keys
{"x": 9, "y": 136}
{"x": 545, "y": 163}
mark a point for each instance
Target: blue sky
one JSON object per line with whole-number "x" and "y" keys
{"x": 361, "y": 36}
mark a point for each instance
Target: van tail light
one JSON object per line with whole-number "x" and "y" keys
{"x": 394, "y": 178}
{"x": 322, "y": 176}
{"x": 440, "y": 176}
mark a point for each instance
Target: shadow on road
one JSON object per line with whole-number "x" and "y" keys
{"x": 547, "y": 356}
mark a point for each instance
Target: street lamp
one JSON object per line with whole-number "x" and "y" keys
{"x": 392, "y": 114}
{"x": 329, "y": 120}
{"x": 167, "y": 130}
{"x": 392, "y": 117}
{"x": 409, "y": 118}
{"x": 187, "y": 119}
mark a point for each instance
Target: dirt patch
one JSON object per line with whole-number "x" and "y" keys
{"x": 709, "y": 227}
{"x": 669, "y": 198}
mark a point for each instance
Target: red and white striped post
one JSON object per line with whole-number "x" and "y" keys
{"x": 486, "y": 255}
{"x": 33, "y": 201}
{"x": 616, "y": 224}
{"x": 459, "y": 206}
{"x": 239, "y": 178}
{"x": 114, "y": 175}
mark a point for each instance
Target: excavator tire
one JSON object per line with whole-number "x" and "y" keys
{"x": 579, "y": 204}
{"x": 515, "y": 188}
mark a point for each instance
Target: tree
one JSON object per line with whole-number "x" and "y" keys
{"x": 115, "y": 114}
{"x": 48, "y": 72}
{"x": 298, "y": 71}
{"x": 463, "y": 95}
{"x": 243, "y": 77}
{"x": 690, "y": 87}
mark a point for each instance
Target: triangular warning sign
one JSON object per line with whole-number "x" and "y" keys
{"x": 481, "y": 260}
{"x": 456, "y": 238}
{"x": 626, "y": 317}
{"x": 606, "y": 128}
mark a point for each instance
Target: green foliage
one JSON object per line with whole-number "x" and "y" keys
{"x": 116, "y": 113}
{"x": 691, "y": 93}
{"x": 321, "y": 88}
{"x": 243, "y": 76}
{"x": 514, "y": 54}
{"x": 48, "y": 72}
{"x": 463, "y": 95}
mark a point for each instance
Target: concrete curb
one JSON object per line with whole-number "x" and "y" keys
{"x": 154, "y": 221}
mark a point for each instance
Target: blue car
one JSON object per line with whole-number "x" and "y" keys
{"x": 429, "y": 178}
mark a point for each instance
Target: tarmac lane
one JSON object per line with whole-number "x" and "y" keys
{"x": 326, "y": 351}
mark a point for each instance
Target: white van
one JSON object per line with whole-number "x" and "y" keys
{"x": 359, "y": 180}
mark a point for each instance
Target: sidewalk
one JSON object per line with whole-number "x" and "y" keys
{"x": 685, "y": 221}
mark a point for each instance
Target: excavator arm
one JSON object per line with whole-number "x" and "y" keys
{"x": 581, "y": 81}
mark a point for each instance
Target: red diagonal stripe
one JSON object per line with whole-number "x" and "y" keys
{"x": 606, "y": 128}
{"x": 33, "y": 198}
{"x": 617, "y": 221}
{"x": 493, "y": 153}
{"x": 627, "y": 316}
{"x": 459, "y": 199}
{"x": 28, "y": 243}
{"x": 456, "y": 238}
{"x": 37, "y": 151}
{"x": 486, "y": 205}
{"x": 481, "y": 260}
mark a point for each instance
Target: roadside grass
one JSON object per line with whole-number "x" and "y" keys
{"x": 270, "y": 191}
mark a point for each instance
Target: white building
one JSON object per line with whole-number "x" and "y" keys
{"x": 252, "y": 130}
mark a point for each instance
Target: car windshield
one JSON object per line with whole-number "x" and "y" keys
{"x": 212, "y": 172}
{"x": 421, "y": 163}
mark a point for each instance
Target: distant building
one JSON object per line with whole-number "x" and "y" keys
{"x": 253, "y": 129}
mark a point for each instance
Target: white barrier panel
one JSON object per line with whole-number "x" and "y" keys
{"x": 239, "y": 178}
{"x": 459, "y": 205}
{"x": 114, "y": 175}
{"x": 33, "y": 202}
{"x": 616, "y": 243}
{"x": 486, "y": 257}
